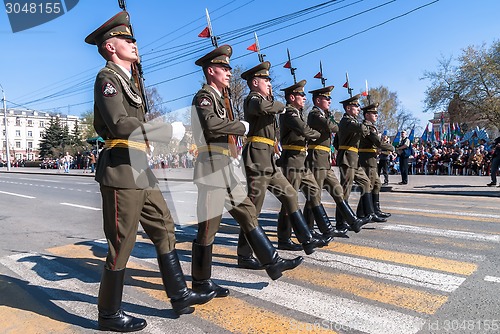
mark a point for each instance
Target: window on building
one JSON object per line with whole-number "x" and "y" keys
{"x": 30, "y": 144}
{"x": 30, "y": 134}
{"x": 18, "y": 121}
{"x": 18, "y": 133}
{"x": 18, "y": 144}
{"x": 42, "y": 124}
{"x": 30, "y": 122}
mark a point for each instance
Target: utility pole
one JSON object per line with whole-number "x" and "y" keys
{"x": 6, "y": 130}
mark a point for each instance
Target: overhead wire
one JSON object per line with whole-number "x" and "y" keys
{"x": 78, "y": 87}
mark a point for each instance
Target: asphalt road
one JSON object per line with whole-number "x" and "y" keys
{"x": 433, "y": 268}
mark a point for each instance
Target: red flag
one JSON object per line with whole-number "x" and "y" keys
{"x": 205, "y": 33}
{"x": 288, "y": 65}
{"x": 319, "y": 75}
{"x": 253, "y": 47}
{"x": 346, "y": 85}
{"x": 365, "y": 93}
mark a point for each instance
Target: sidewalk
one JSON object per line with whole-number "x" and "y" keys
{"x": 429, "y": 184}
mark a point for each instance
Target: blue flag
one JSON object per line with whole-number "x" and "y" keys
{"x": 396, "y": 140}
{"x": 425, "y": 135}
{"x": 411, "y": 137}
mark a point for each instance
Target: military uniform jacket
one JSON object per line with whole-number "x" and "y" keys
{"x": 211, "y": 126}
{"x": 119, "y": 114}
{"x": 350, "y": 133}
{"x": 371, "y": 142}
{"x": 261, "y": 115}
{"x": 294, "y": 131}
{"x": 319, "y": 121}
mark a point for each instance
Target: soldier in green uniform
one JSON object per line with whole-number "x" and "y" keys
{"x": 129, "y": 189}
{"x": 294, "y": 134}
{"x": 318, "y": 155}
{"x": 218, "y": 187}
{"x": 262, "y": 174}
{"x": 347, "y": 144}
{"x": 368, "y": 148}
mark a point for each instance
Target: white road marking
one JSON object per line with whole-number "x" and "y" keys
{"x": 81, "y": 206}
{"x": 18, "y": 195}
{"x": 463, "y": 214}
{"x": 443, "y": 233}
{"x": 492, "y": 279}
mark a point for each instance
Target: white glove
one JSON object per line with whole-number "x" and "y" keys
{"x": 247, "y": 126}
{"x": 235, "y": 162}
{"x": 178, "y": 130}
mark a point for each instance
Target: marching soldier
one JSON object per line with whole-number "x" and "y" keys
{"x": 218, "y": 187}
{"x": 383, "y": 161}
{"x": 294, "y": 134}
{"x": 261, "y": 171}
{"x": 318, "y": 154}
{"x": 368, "y": 147}
{"x": 129, "y": 189}
{"x": 347, "y": 143}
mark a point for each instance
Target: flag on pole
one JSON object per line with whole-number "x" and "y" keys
{"x": 396, "y": 140}
{"x": 365, "y": 93}
{"x": 318, "y": 76}
{"x": 425, "y": 135}
{"x": 288, "y": 64}
{"x": 205, "y": 33}
{"x": 346, "y": 85}
{"x": 411, "y": 137}
{"x": 253, "y": 47}
{"x": 432, "y": 137}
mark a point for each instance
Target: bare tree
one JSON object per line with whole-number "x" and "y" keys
{"x": 468, "y": 87}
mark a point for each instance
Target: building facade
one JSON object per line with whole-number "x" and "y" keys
{"x": 24, "y": 131}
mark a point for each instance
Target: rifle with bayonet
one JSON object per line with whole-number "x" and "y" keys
{"x": 137, "y": 73}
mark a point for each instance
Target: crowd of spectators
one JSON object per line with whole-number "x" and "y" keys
{"x": 86, "y": 161}
{"x": 172, "y": 160}
{"x": 448, "y": 158}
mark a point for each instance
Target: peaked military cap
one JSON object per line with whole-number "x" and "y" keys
{"x": 261, "y": 71}
{"x": 352, "y": 100}
{"x": 117, "y": 26}
{"x": 370, "y": 108}
{"x": 296, "y": 88}
{"x": 219, "y": 56}
{"x": 323, "y": 91}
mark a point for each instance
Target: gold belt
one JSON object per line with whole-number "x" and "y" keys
{"x": 214, "y": 148}
{"x": 294, "y": 148}
{"x": 257, "y": 139}
{"x": 319, "y": 147}
{"x": 368, "y": 150}
{"x": 349, "y": 148}
{"x": 124, "y": 143}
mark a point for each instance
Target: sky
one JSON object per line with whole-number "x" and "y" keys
{"x": 383, "y": 42}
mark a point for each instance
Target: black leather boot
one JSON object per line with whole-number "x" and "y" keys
{"x": 354, "y": 222}
{"x": 376, "y": 206}
{"x": 369, "y": 210}
{"x": 267, "y": 255}
{"x": 309, "y": 217}
{"x": 303, "y": 234}
{"x": 109, "y": 302}
{"x": 245, "y": 254}
{"x": 174, "y": 282}
{"x": 285, "y": 232}
{"x": 323, "y": 222}
{"x": 341, "y": 227}
{"x": 201, "y": 271}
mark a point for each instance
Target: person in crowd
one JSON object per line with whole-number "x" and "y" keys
{"x": 403, "y": 155}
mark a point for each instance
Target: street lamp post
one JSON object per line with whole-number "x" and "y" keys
{"x": 6, "y": 129}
